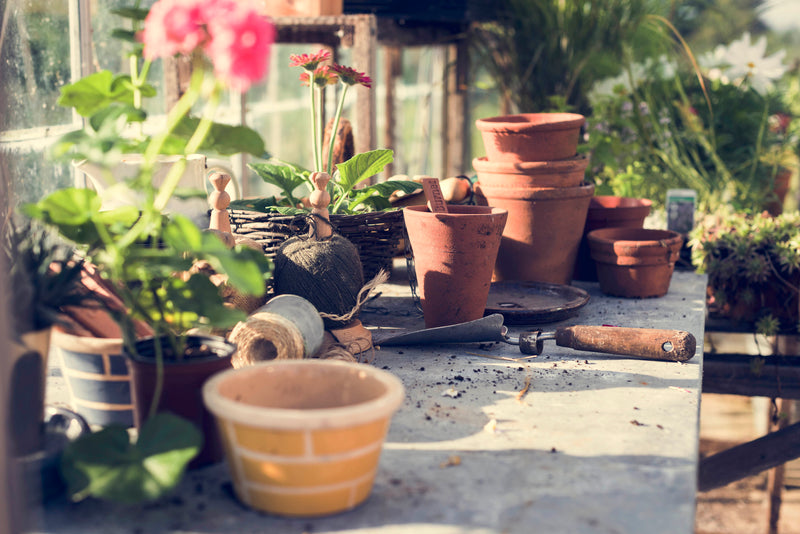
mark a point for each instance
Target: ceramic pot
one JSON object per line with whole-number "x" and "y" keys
{"x": 97, "y": 377}
{"x": 182, "y": 386}
{"x": 303, "y": 437}
{"x": 108, "y": 184}
{"x": 530, "y": 136}
{"x": 608, "y": 212}
{"x": 635, "y": 262}
{"x": 559, "y": 173}
{"x": 543, "y": 232}
{"x": 454, "y": 255}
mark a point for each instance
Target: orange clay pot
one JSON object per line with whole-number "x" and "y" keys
{"x": 635, "y": 262}
{"x": 530, "y": 136}
{"x": 303, "y": 437}
{"x": 454, "y": 255}
{"x": 608, "y": 212}
{"x": 558, "y": 173}
{"x": 544, "y": 228}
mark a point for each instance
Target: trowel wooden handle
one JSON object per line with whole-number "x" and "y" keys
{"x": 670, "y": 345}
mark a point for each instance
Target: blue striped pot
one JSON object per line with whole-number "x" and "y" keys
{"x": 97, "y": 377}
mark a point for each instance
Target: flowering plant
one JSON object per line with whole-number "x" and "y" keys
{"x": 346, "y": 196}
{"x": 139, "y": 249}
{"x": 753, "y": 267}
{"x": 712, "y": 124}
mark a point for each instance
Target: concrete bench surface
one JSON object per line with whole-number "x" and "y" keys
{"x": 566, "y": 442}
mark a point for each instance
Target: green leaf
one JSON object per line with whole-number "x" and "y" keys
{"x": 96, "y": 91}
{"x": 263, "y": 205}
{"x": 107, "y": 465}
{"x": 362, "y": 166}
{"x": 223, "y": 139}
{"x": 285, "y": 176}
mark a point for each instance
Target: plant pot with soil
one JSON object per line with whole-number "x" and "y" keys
{"x": 454, "y": 256}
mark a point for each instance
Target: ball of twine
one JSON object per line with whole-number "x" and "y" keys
{"x": 265, "y": 336}
{"x": 328, "y": 273}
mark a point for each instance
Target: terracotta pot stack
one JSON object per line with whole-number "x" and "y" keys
{"x": 533, "y": 171}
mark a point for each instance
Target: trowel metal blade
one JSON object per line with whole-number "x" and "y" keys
{"x": 489, "y": 328}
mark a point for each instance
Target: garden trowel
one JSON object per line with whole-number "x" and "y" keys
{"x": 647, "y": 343}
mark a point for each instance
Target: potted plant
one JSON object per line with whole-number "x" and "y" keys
{"x": 44, "y": 278}
{"x": 719, "y": 124}
{"x": 359, "y": 211}
{"x": 753, "y": 267}
{"x": 147, "y": 256}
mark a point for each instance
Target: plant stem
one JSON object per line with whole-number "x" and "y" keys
{"x": 315, "y": 144}
{"x": 336, "y": 118}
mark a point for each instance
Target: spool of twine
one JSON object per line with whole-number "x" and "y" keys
{"x": 328, "y": 273}
{"x": 265, "y": 336}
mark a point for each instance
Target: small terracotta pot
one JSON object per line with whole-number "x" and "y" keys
{"x": 635, "y": 262}
{"x": 454, "y": 255}
{"x": 544, "y": 229}
{"x": 181, "y": 393}
{"x": 303, "y": 437}
{"x": 531, "y": 136}
{"x": 560, "y": 173}
{"x": 608, "y": 212}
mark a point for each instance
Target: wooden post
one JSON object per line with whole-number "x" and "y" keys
{"x": 775, "y": 476}
{"x": 393, "y": 67}
{"x": 219, "y": 200}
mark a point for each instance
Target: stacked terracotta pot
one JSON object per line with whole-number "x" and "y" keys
{"x": 533, "y": 171}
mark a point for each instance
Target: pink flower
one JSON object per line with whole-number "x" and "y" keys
{"x": 322, "y": 76}
{"x": 234, "y": 36}
{"x": 351, "y": 76}
{"x": 310, "y": 62}
{"x": 241, "y": 39}
{"x": 173, "y": 27}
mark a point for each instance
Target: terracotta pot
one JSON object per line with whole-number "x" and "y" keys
{"x": 635, "y": 262}
{"x": 561, "y": 173}
{"x": 97, "y": 377}
{"x": 454, "y": 255}
{"x": 608, "y": 212}
{"x": 181, "y": 393}
{"x": 531, "y": 136}
{"x": 780, "y": 189}
{"x": 303, "y": 437}
{"x": 544, "y": 229}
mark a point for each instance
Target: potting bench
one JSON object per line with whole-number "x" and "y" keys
{"x": 568, "y": 441}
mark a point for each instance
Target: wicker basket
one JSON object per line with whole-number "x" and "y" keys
{"x": 376, "y": 235}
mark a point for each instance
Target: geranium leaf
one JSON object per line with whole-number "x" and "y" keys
{"x": 107, "y": 465}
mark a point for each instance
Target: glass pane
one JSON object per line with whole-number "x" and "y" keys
{"x": 35, "y": 63}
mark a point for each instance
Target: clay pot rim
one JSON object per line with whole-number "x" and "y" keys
{"x": 608, "y": 202}
{"x": 536, "y": 193}
{"x": 303, "y": 419}
{"x": 61, "y": 337}
{"x": 634, "y": 237}
{"x": 456, "y": 210}
{"x": 484, "y": 165}
{"x": 526, "y": 123}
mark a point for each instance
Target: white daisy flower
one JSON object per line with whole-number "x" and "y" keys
{"x": 749, "y": 63}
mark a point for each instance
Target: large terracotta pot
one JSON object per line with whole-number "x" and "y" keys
{"x": 182, "y": 386}
{"x": 303, "y": 437}
{"x": 530, "y": 136}
{"x": 454, "y": 255}
{"x": 608, "y": 212}
{"x": 558, "y": 173}
{"x": 635, "y": 262}
{"x": 544, "y": 228}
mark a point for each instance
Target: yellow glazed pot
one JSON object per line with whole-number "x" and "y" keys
{"x": 303, "y": 437}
